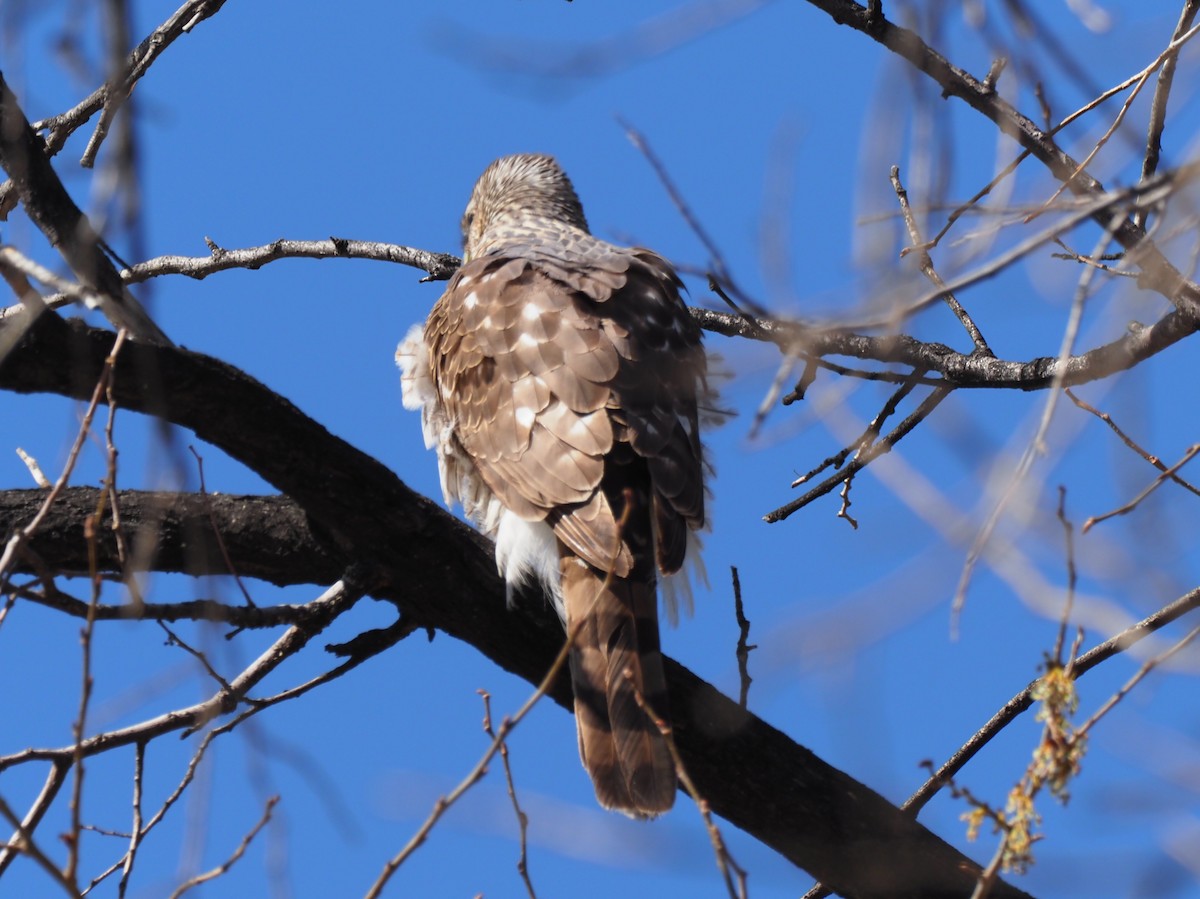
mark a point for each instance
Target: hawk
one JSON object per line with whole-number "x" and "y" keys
{"x": 559, "y": 378}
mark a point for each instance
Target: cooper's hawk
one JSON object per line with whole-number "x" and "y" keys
{"x": 558, "y": 378}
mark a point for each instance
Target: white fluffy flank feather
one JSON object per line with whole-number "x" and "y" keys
{"x": 416, "y": 381}
{"x": 528, "y": 551}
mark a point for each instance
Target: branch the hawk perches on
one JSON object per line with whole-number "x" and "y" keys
{"x": 558, "y": 378}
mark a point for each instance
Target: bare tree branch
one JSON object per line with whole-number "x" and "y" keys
{"x": 1161, "y": 275}
{"x": 750, "y": 773}
{"x": 962, "y": 369}
{"x": 65, "y": 226}
{"x": 440, "y": 266}
{"x": 1023, "y": 700}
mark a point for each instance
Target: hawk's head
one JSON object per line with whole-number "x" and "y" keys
{"x": 516, "y": 191}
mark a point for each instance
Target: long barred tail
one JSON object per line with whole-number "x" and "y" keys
{"x": 622, "y": 748}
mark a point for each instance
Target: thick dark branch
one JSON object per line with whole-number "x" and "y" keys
{"x": 441, "y": 575}
{"x": 269, "y": 536}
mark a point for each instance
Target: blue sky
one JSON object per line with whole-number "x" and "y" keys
{"x": 371, "y": 121}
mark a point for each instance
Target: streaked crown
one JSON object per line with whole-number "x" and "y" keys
{"x": 516, "y": 191}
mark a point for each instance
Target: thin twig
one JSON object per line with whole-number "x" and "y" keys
{"x": 885, "y": 377}
{"x": 786, "y": 366}
{"x": 173, "y": 639}
{"x": 744, "y": 648}
{"x": 55, "y": 778}
{"x": 720, "y": 272}
{"x": 253, "y": 707}
{"x": 438, "y": 266}
{"x": 969, "y": 205}
{"x": 61, "y": 127}
{"x": 216, "y": 530}
{"x": 90, "y": 528}
{"x": 987, "y": 877}
{"x": 869, "y": 435}
{"x": 183, "y": 20}
{"x": 1049, "y": 134}
{"x": 237, "y": 853}
{"x": 1072, "y": 577}
{"x": 50, "y": 207}
{"x": 24, "y": 843}
{"x": 1154, "y": 485}
{"x": 1158, "y": 106}
{"x": 1036, "y": 446}
{"x": 476, "y": 774}
{"x": 1081, "y": 166}
{"x": 877, "y": 449}
{"x": 732, "y": 873}
{"x": 1129, "y": 442}
{"x": 1147, "y": 666}
{"x": 135, "y": 833}
{"x": 961, "y": 370}
{"x": 1023, "y": 700}
{"x": 1099, "y": 264}
{"x": 35, "y": 470}
{"x": 21, "y": 537}
{"x": 334, "y": 602}
{"x": 925, "y": 262}
{"x": 522, "y": 818}
{"x": 1112, "y": 204}
{"x": 1108, "y": 205}
{"x": 243, "y": 617}
{"x": 956, "y": 82}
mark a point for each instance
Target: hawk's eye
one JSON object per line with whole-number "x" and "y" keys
{"x": 467, "y": 221}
